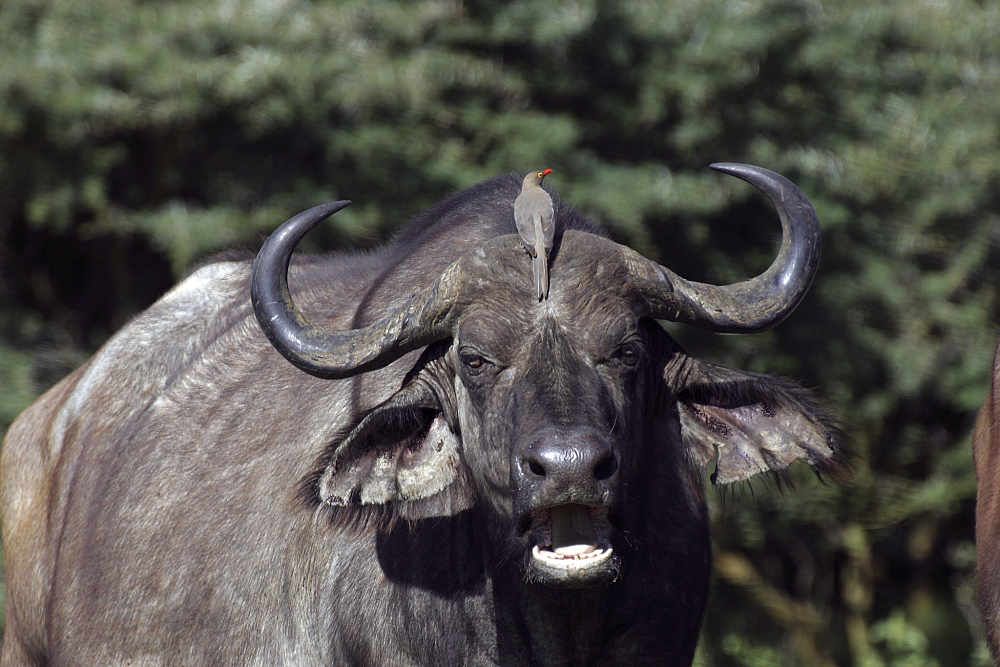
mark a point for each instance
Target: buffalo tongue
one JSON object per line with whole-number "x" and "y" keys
{"x": 572, "y": 530}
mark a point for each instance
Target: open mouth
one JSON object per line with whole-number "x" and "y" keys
{"x": 571, "y": 546}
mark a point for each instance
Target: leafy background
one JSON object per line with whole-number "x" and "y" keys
{"x": 137, "y": 138}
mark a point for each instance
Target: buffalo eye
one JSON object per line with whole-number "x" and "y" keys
{"x": 473, "y": 361}
{"x": 629, "y": 354}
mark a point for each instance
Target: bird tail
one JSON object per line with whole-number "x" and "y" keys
{"x": 541, "y": 263}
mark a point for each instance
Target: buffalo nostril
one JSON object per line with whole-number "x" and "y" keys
{"x": 536, "y": 468}
{"x": 605, "y": 468}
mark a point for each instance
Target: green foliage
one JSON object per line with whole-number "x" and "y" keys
{"x": 137, "y": 138}
{"x": 15, "y": 377}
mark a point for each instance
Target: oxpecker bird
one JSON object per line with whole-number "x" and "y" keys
{"x": 536, "y": 224}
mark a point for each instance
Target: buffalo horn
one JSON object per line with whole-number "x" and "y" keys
{"x": 751, "y": 305}
{"x": 425, "y": 317}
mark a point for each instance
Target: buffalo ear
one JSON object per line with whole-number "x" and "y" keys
{"x": 402, "y": 460}
{"x": 748, "y": 423}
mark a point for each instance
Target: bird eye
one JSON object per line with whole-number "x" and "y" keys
{"x": 540, "y": 174}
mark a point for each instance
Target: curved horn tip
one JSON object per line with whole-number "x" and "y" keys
{"x": 322, "y": 211}
{"x": 291, "y": 231}
{"x": 759, "y": 177}
{"x": 330, "y": 207}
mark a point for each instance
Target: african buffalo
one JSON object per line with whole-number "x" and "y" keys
{"x": 986, "y": 448}
{"x": 462, "y": 475}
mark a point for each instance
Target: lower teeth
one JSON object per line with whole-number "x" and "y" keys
{"x": 577, "y": 556}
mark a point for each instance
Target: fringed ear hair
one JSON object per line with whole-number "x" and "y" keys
{"x": 400, "y": 461}
{"x": 749, "y": 424}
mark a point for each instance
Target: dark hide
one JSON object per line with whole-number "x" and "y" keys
{"x": 189, "y": 497}
{"x": 986, "y": 448}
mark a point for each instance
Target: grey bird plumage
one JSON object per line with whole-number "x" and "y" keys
{"x": 535, "y": 218}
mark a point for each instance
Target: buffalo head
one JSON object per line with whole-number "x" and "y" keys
{"x": 572, "y": 423}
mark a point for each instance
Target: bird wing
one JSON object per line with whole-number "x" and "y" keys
{"x": 531, "y": 204}
{"x": 548, "y": 223}
{"x": 523, "y": 218}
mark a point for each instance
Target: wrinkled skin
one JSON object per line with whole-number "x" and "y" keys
{"x": 188, "y": 497}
